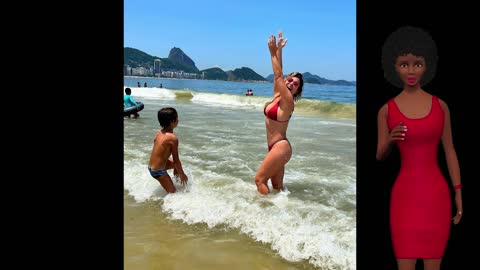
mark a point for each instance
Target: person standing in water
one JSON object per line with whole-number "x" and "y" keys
{"x": 286, "y": 91}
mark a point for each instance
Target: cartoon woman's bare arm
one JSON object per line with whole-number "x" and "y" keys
{"x": 452, "y": 161}
{"x": 387, "y": 138}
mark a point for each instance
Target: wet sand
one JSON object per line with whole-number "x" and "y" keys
{"x": 176, "y": 245}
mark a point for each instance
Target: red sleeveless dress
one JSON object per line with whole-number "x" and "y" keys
{"x": 420, "y": 204}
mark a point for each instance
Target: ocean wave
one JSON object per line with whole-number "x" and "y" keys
{"x": 303, "y": 107}
{"x": 297, "y": 231}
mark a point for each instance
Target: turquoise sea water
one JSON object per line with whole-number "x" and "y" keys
{"x": 336, "y": 93}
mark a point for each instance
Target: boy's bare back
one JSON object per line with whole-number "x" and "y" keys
{"x": 163, "y": 146}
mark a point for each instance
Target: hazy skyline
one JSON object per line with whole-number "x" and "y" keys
{"x": 233, "y": 34}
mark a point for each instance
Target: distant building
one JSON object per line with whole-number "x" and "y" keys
{"x": 127, "y": 70}
{"x": 141, "y": 71}
{"x": 180, "y": 74}
{"x": 157, "y": 67}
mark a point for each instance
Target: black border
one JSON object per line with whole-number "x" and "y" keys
{"x": 83, "y": 89}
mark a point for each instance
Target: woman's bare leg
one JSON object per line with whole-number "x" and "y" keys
{"x": 273, "y": 165}
{"x": 432, "y": 264}
{"x": 277, "y": 180}
{"x": 406, "y": 264}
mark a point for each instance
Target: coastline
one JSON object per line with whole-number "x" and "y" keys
{"x": 168, "y": 78}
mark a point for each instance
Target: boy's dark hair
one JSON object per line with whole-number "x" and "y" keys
{"x": 167, "y": 116}
{"x": 128, "y": 91}
{"x": 405, "y": 40}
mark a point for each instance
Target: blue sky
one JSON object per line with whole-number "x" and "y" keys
{"x": 232, "y": 34}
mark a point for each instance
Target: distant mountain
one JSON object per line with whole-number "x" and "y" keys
{"x": 310, "y": 78}
{"x": 239, "y": 74}
{"x": 177, "y": 60}
{"x": 177, "y": 56}
{"x": 215, "y": 74}
{"x": 137, "y": 58}
{"x": 244, "y": 74}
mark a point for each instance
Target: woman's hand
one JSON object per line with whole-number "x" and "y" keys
{"x": 397, "y": 133}
{"x": 458, "y": 202}
{"x": 281, "y": 41}
{"x": 457, "y": 217}
{"x": 272, "y": 45}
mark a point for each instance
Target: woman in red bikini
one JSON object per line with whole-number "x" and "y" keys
{"x": 277, "y": 114}
{"x": 416, "y": 121}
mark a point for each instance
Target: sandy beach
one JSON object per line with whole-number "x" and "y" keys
{"x": 153, "y": 241}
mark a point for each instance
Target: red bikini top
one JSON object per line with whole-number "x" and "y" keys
{"x": 272, "y": 113}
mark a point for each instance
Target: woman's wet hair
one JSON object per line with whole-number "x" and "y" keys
{"x": 167, "y": 116}
{"x": 405, "y": 40}
{"x": 298, "y": 95}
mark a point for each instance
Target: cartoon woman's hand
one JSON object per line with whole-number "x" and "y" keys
{"x": 457, "y": 217}
{"x": 458, "y": 202}
{"x": 398, "y": 133}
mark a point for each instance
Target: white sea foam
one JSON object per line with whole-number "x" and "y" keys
{"x": 153, "y": 93}
{"x": 296, "y": 230}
